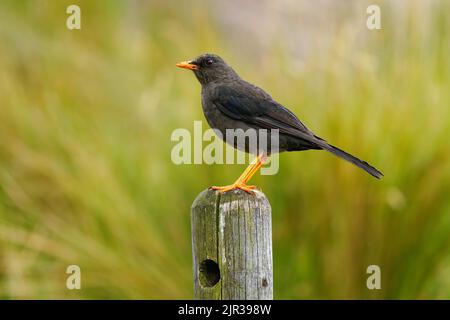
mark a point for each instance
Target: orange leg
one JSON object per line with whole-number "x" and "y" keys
{"x": 240, "y": 183}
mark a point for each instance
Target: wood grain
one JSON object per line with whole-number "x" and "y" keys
{"x": 232, "y": 246}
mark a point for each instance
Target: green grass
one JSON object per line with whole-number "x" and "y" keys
{"x": 86, "y": 176}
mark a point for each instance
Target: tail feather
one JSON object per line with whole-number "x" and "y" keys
{"x": 346, "y": 156}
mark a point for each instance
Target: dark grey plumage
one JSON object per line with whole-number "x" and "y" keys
{"x": 232, "y": 103}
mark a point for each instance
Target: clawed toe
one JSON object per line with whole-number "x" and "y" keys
{"x": 244, "y": 187}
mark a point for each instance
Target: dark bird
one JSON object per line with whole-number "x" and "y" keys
{"x": 232, "y": 103}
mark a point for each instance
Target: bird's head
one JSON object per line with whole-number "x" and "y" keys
{"x": 208, "y": 68}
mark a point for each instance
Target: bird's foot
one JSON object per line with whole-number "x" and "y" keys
{"x": 242, "y": 186}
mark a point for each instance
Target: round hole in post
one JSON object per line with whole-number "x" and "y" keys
{"x": 209, "y": 273}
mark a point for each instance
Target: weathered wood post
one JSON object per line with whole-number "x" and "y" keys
{"x": 232, "y": 246}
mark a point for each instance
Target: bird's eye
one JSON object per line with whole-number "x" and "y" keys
{"x": 209, "y": 62}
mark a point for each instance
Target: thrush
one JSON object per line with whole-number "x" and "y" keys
{"x": 230, "y": 102}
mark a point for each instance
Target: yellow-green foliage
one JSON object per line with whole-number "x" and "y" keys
{"x": 86, "y": 176}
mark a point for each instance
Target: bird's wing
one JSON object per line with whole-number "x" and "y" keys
{"x": 253, "y": 106}
{"x": 256, "y": 107}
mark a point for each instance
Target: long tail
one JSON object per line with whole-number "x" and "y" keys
{"x": 347, "y": 156}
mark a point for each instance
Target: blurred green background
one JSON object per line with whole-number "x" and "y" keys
{"x": 86, "y": 118}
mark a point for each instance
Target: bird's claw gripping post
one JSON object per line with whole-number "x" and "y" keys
{"x": 234, "y": 186}
{"x": 241, "y": 182}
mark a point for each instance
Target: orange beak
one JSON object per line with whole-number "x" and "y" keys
{"x": 187, "y": 65}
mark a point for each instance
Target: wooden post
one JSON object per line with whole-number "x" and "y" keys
{"x": 232, "y": 246}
